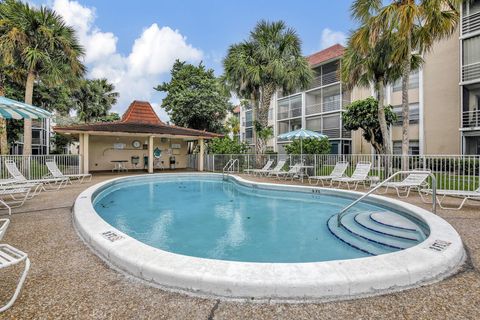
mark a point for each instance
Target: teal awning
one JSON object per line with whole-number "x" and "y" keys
{"x": 12, "y": 109}
{"x": 301, "y": 134}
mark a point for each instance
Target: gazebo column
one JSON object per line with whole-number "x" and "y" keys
{"x": 150, "y": 154}
{"x": 86, "y": 138}
{"x": 81, "y": 152}
{"x": 201, "y": 142}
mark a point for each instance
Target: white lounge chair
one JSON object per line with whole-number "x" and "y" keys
{"x": 56, "y": 173}
{"x": 278, "y": 167}
{"x": 3, "y": 227}
{"x": 18, "y": 193}
{"x": 338, "y": 172}
{"x": 10, "y": 256}
{"x": 294, "y": 171}
{"x": 360, "y": 175}
{"x": 265, "y": 168}
{"x": 52, "y": 183}
{"x": 441, "y": 194}
{"x": 416, "y": 181}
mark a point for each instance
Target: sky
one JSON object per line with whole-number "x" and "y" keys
{"x": 135, "y": 43}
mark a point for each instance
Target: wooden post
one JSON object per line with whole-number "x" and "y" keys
{"x": 150, "y": 154}
{"x": 202, "y": 153}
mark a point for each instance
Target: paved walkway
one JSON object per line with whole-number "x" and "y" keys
{"x": 68, "y": 281}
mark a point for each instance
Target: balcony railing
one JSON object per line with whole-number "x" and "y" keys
{"x": 471, "y": 23}
{"x": 325, "y": 79}
{"x": 471, "y": 119}
{"x": 471, "y": 71}
{"x": 291, "y": 113}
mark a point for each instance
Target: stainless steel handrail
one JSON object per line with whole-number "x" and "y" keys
{"x": 228, "y": 167}
{"x": 342, "y": 213}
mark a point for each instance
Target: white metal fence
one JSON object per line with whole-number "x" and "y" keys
{"x": 455, "y": 172}
{"x": 33, "y": 167}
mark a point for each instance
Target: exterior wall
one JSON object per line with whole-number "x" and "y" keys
{"x": 442, "y": 98}
{"x": 101, "y": 151}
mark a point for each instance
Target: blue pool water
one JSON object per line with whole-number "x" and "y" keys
{"x": 210, "y": 218}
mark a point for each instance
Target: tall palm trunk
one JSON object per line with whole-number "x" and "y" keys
{"x": 380, "y": 88}
{"x": 3, "y": 125}
{"x": 262, "y": 115}
{"x": 405, "y": 104}
{"x": 386, "y": 139}
{"x": 27, "y": 126}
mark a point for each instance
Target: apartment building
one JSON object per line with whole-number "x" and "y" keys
{"x": 470, "y": 77}
{"x": 434, "y": 97}
{"x": 40, "y": 138}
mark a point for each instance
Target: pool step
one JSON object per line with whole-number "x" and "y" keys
{"x": 367, "y": 222}
{"x": 393, "y": 220}
{"x": 361, "y": 231}
{"x": 357, "y": 242}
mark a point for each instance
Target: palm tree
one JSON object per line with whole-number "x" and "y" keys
{"x": 41, "y": 46}
{"x": 233, "y": 126}
{"x": 419, "y": 24}
{"x": 368, "y": 59}
{"x": 269, "y": 60}
{"x": 94, "y": 98}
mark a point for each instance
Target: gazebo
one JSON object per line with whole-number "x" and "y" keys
{"x": 139, "y": 140}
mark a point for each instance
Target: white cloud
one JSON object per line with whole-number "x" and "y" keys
{"x": 157, "y": 48}
{"x": 330, "y": 37}
{"x": 135, "y": 74}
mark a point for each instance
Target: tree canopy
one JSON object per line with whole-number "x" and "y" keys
{"x": 363, "y": 114}
{"x": 226, "y": 145}
{"x": 309, "y": 146}
{"x": 94, "y": 99}
{"x": 269, "y": 60}
{"x": 195, "y": 97}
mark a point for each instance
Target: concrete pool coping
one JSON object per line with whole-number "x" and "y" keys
{"x": 439, "y": 256}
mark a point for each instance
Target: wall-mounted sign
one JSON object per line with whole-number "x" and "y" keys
{"x": 176, "y": 146}
{"x": 119, "y": 146}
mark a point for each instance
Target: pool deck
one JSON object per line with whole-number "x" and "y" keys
{"x": 67, "y": 280}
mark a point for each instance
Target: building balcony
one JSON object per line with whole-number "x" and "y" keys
{"x": 471, "y": 23}
{"x": 471, "y": 119}
{"x": 292, "y": 113}
{"x": 471, "y": 72}
{"x": 325, "y": 80}
{"x": 328, "y": 106}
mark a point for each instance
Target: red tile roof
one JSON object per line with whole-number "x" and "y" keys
{"x": 141, "y": 112}
{"x": 139, "y": 118}
{"x": 329, "y": 53}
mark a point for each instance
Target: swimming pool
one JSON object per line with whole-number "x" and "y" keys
{"x": 235, "y": 238}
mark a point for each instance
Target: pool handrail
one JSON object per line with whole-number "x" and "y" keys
{"x": 343, "y": 212}
{"x": 230, "y": 165}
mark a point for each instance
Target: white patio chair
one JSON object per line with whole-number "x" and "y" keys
{"x": 10, "y": 256}
{"x": 265, "y": 167}
{"x": 18, "y": 195}
{"x": 52, "y": 183}
{"x": 465, "y": 195}
{"x": 294, "y": 171}
{"x": 416, "y": 181}
{"x": 278, "y": 167}
{"x": 360, "y": 175}
{"x": 56, "y": 173}
{"x": 3, "y": 227}
{"x": 338, "y": 172}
